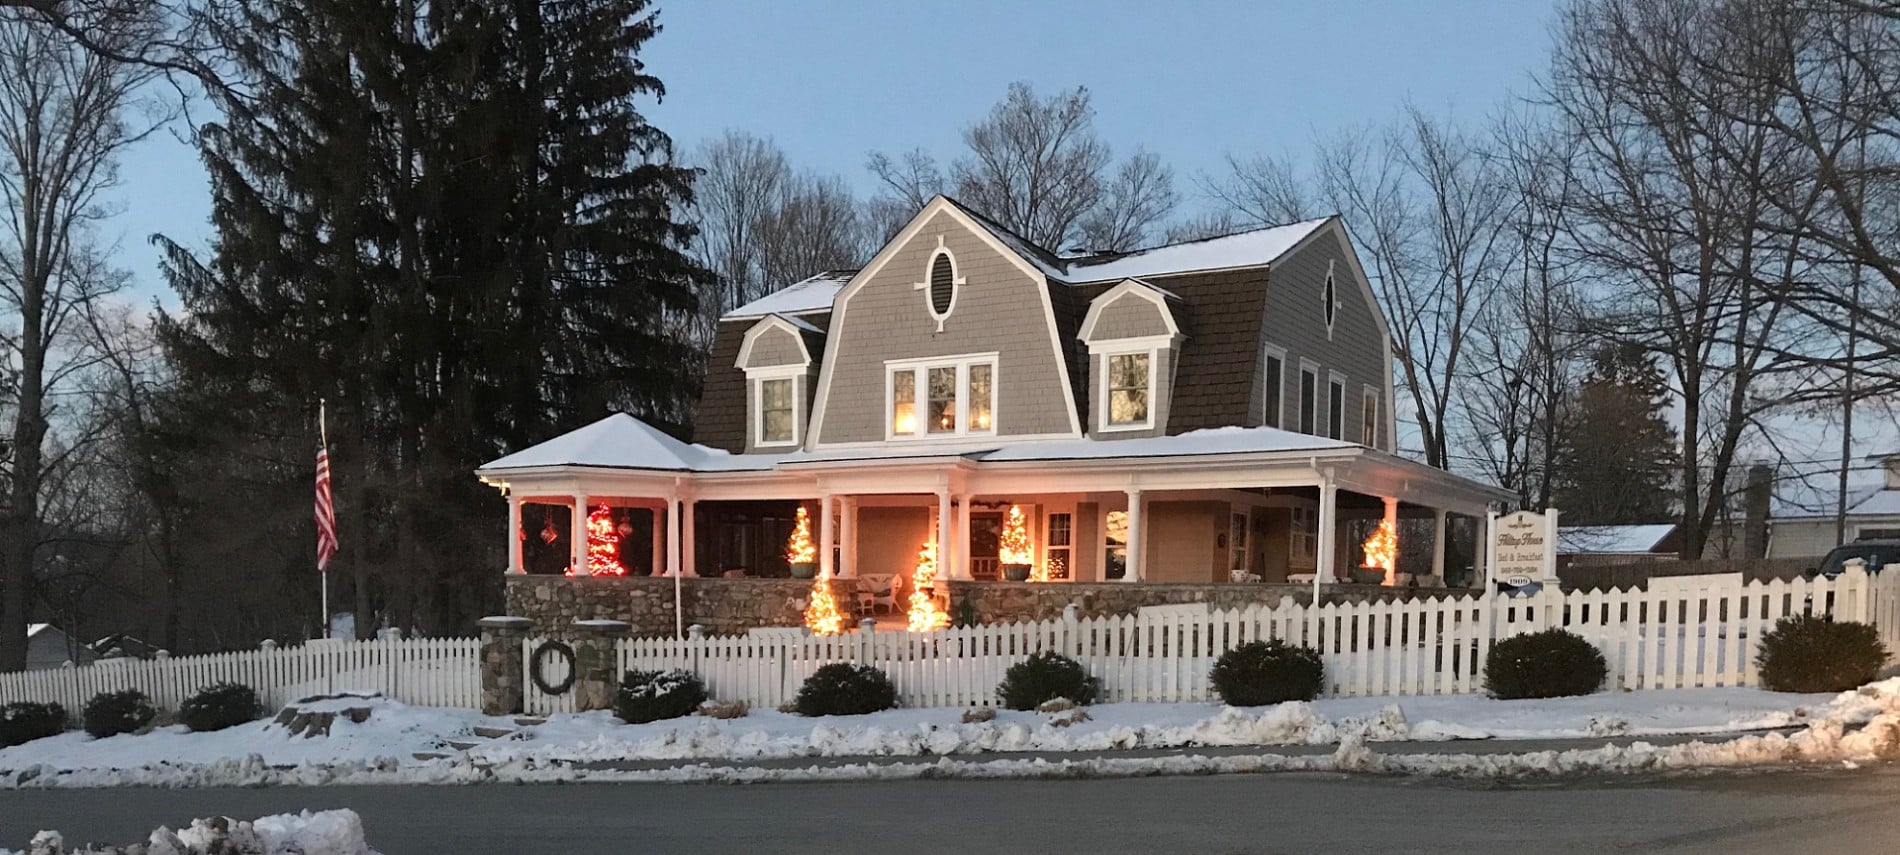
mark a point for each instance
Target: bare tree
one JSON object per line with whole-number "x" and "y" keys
{"x": 1140, "y": 195}
{"x": 1262, "y": 190}
{"x": 62, "y": 126}
{"x": 909, "y": 180}
{"x": 741, "y": 179}
{"x": 814, "y": 227}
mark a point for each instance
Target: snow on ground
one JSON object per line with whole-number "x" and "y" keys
{"x": 382, "y": 748}
{"x": 330, "y": 832}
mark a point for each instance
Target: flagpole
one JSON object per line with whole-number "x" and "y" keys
{"x": 323, "y": 438}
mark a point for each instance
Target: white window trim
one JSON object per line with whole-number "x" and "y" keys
{"x": 1151, "y": 346}
{"x": 956, "y": 284}
{"x": 921, "y": 379}
{"x": 1307, "y": 366}
{"x": 1335, "y": 383}
{"x": 755, "y": 380}
{"x": 1371, "y": 394}
{"x": 1277, "y": 352}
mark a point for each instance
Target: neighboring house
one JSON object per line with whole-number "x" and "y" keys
{"x": 1589, "y": 545}
{"x": 1804, "y": 526}
{"x": 48, "y": 646}
{"x": 1201, "y": 412}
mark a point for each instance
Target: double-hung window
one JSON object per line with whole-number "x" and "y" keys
{"x": 948, "y": 397}
{"x": 1272, "y": 387}
{"x": 1304, "y": 531}
{"x": 1336, "y": 406}
{"x": 1369, "y": 418}
{"x": 1127, "y": 385}
{"x": 1309, "y": 398}
{"x": 775, "y": 405}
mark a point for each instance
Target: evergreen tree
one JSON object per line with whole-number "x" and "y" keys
{"x": 1616, "y": 448}
{"x": 451, "y": 220}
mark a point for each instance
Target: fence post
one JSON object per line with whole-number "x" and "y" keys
{"x": 595, "y": 662}
{"x": 695, "y": 642}
{"x": 504, "y": 680}
{"x": 1071, "y": 615}
{"x": 866, "y": 628}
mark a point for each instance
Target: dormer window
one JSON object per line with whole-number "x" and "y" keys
{"x": 940, "y": 284}
{"x": 777, "y": 409}
{"x": 942, "y": 398}
{"x": 1130, "y": 377}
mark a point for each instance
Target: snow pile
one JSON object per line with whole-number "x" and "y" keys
{"x": 332, "y": 832}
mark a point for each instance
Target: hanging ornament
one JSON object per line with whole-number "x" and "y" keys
{"x": 548, "y": 534}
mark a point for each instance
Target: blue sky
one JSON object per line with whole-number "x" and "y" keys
{"x": 831, "y": 82}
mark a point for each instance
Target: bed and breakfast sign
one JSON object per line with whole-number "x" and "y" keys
{"x": 1524, "y": 548}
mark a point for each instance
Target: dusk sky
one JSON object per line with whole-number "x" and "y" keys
{"x": 831, "y": 82}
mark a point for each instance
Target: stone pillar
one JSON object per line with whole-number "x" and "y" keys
{"x": 504, "y": 674}
{"x": 1136, "y": 542}
{"x": 596, "y": 663}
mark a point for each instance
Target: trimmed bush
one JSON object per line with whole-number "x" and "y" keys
{"x": 653, "y": 695}
{"x": 218, "y": 706}
{"x": 1043, "y": 677}
{"x": 1267, "y": 672}
{"x": 1804, "y": 653}
{"x": 113, "y": 713}
{"x": 25, "y": 721}
{"x": 1554, "y": 663}
{"x": 842, "y": 688}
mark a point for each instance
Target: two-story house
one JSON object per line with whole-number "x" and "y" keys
{"x": 1201, "y": 412}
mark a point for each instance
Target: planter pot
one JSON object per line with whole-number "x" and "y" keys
{"x": 805, "y": 570}
{"x": 1016, "y": 572}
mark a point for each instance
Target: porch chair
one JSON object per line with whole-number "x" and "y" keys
{"x": 875, "y": 591}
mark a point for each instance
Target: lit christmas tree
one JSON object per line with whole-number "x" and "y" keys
{"x": 603, "y": 544}
{"x": 799, "y": 549}
{"x": 1013, "y": 545}
{"x": 822, "y": 615}
{"x": 925, "y": 615}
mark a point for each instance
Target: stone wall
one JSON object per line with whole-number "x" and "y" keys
{"x": 732, "y": 606}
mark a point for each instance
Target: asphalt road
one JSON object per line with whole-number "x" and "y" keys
{"x": 1835, "y": 812}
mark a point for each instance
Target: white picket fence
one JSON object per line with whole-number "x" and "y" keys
{"x": 1683, "y": 632}
{"x": 427, "y": 671}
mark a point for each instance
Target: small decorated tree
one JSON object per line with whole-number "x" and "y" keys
{"x": 603, "y": 544}
{"x": 925, "y": 615}
{"x": 799, "y": 550}
{"x": 1013, "y": 547}
{"x": 822, "y": 615}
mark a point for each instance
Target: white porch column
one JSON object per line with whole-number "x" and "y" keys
{"x": 943, "y": 534}
{"x": 1328, "y": 532}
{"x": 689, "y": 545}
{"x": 824, "y": 535}
{"x": 577, "y": 549}
{"x": 674, "y": 549}
{"x": 960, "y": 538}
{"x": 514, "y": 533}
{"x": 1438, "y": 544}
{"x": 848, "y": 525}
{"x": 1136, "y": 541}
{"x": 1392, "y": 520}
{"x": 657, "y": 566}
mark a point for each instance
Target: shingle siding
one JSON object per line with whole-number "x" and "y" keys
{"x": 777, "y": 346}
{"x": 1295, "y": 319}
{"x": 1129, "y": 316}
{"x": 998, "y": 308}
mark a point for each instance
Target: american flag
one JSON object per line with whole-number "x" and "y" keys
{"x": 326, "y": 512}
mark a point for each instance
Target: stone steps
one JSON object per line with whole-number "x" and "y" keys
{"x": 487, "y": 732}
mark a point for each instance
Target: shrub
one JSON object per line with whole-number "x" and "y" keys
{"x": 725, "y": 709}
{"x": 653, "y": 695}
{"x": 1553, "y": 663}
{"x": 25, "y": 721}
{"x": 218, "y": 706}
{"x": 113, "y": 713}
{"x": 1804, "y": 653}
{"x": 1267, "y": 672}
{"x": 978, "y": 715}
{"x": 845, "y": 689}
{"x": 1046, "y": 676}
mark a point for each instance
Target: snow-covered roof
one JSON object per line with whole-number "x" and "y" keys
{"x": 1222, "y": 440}
{"x": 809, "y": 295}
{"x": 1259, "y": 246}
{"x": 1611, "y": 539}
{"x": 33, "y": 629}
{"x": 621, "y": 441}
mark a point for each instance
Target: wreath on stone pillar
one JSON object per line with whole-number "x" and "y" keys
{"x": 538, "y": 662}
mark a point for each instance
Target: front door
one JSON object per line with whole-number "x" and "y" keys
{"x": 986, "y": 540}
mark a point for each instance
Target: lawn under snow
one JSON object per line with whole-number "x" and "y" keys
{"x": 381, "y": 749}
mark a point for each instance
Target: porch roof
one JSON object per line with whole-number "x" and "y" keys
{"x": 621, "y": 441}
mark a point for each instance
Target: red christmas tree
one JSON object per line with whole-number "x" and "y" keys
{"x": 603, "y": 544}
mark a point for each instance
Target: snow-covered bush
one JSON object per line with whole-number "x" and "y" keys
{"x": 25, "y": 721}
{"x": 735, "y": 708}
{"x": 1804, "y": 653}
{"x": 1046, "y": 676}
{"x": 220, "y": 705}
{"x": 842, "y": 688}
{"x": 1554, "y": 663}
{"x": 1267, "y": 672}
{"x": 653, "y": 695}
{"x": 113, "y": 713}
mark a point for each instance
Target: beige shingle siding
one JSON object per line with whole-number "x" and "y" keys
{"x": 1220, "y": 316}
{"x": 777, "y": 346}
{"x": 1130, "y": 316}
{"x": 1295, "y": 320}
{"x": 720, "y": 419}
{"x": 999, "y": 308}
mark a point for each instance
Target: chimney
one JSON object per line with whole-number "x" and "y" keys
{"x": 1755, "y": 500}
{"x": 1891, "y": 465}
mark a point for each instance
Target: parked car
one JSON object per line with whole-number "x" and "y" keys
{"x": 1877, "y": 553}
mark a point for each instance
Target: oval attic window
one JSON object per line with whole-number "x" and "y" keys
{"x": 943, "y": 284}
